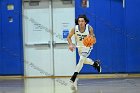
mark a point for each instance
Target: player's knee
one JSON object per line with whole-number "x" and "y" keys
{"x": 89, "y": 60}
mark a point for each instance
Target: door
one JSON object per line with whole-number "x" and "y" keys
{"x": 63, "y": 20}
{"x": 110, "y": 35}
{"x": 132, "y": 20}
{"x": 118, "y": 34}
{"x": 46, "y": 26}
{"x": 38, "y": 39}
{"x": 11, "y": 61}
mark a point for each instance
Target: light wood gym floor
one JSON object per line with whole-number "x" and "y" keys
{"x": 115, "y": 83}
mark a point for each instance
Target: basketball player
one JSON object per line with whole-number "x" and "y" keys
{"x": 81, "y": 30}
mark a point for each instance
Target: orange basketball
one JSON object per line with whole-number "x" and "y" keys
{"x": 88, "y": 41}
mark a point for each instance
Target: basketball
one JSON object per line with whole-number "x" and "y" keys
{"x": 88, "y": 41}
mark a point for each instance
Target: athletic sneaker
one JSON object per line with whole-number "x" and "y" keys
{"x": 72, "y": 86}
{"x": 97, "y": 66}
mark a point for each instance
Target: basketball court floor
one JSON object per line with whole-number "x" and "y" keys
{"x": 62, "y": 85}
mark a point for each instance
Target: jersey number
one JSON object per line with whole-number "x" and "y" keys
{"x": 81, "y": 37}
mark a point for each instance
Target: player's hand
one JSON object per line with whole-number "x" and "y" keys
{"x": 89, "y": 35}
{"x": 72, "y": 47}
{"x": 92, "y": 37}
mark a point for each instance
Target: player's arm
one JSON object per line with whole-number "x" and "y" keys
{"x": 69, "y": 36}
{"x": 71, "y": 46}
{"x": 91, "y": 32}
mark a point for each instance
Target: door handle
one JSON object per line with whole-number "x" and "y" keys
{"x": 58, "y": 44}
{"x": 39, "y": 44}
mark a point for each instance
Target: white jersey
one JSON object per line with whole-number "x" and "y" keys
{"x": 82, "y": 50}
{"x": 79, "y": 36}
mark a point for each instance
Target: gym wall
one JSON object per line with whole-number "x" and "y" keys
{"x": 116, "y": 26}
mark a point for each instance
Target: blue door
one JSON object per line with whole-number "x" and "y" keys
{"x": 118, "y": 37}
{"x": 132, "y": 25}
{"x": 103, "y": 34}
{"x": 11, "y": 38}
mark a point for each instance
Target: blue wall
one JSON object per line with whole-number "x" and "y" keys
{"x": 11, "y": 56}
{"x": 0, "y": 36}
{"x": 112, "y": 24}
{"x": 132, "y": 27}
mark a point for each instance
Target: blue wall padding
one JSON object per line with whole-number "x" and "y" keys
{"x": 114, "y": 26}
{"x": 11, "y": 56}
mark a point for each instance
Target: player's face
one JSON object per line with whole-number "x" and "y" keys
{"x": 81, "y": 22}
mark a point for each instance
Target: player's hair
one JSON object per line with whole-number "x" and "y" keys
{"x": 81, "y": 16}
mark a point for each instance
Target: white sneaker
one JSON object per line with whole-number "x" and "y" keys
{"x": 72, "y": 86}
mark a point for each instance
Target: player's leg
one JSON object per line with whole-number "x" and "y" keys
{"x": 78, "y": 68}
{"x": 83, "y": 53}
{"x": 95, "y": 64}
{"x": 89, "y": 61}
